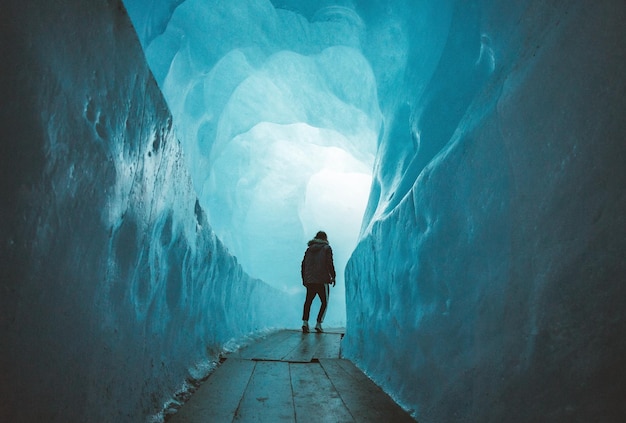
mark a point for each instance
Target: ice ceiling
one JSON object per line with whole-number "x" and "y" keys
{"x": 278, "y": 115}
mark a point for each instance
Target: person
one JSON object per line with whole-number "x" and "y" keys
{"x": 318, "y": 272}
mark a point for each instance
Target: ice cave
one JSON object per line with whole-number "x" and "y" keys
{"x": 164, "y": 163}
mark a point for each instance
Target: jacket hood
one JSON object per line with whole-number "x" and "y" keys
{"x": 317, "y": 241}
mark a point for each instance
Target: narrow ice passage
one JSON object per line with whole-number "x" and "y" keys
{"x": 279, "y": 122}
{"x": 164, "y": 163}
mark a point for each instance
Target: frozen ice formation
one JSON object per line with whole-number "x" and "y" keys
{"x": 116, "y": 293}
{"x": 160, "y": 180}
{"x": 277, "y": 119}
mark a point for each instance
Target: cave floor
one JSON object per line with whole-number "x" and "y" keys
{"x": 290, "y": 376}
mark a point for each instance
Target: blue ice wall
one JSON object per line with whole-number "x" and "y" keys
{"x": 114, "y": 289}
{"x": 488, "y": 283}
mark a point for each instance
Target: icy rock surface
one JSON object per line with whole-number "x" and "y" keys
{"x": 488, "y": 282}
{"x": 115, "y": 290}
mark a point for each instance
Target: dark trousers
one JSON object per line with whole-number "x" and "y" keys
{"x": 321, "y": 290}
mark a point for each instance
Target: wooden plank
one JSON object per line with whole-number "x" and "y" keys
{"x": 217, "y": 399}
{"x": 304, "y": 351}
{"x": 289, "y": 344}
{"x": 366, "y": 401}
{"x": 329, "y": 346}
{"x": 336, "y": 331}
{"x": 268, "y": 397}
{"x": 279, "y": 345}
{"x": 263, "y": 347}
{"x": 281, "y": 348}
{"x": 314, "y": 397}
{"x": 351, "y": 369}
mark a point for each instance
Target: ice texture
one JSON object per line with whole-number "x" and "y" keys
{"x": 116, "y": 293}
{"x": 278, "y": 116}
{"x": 488, "y": 284}
{"x": 493, "y": 229}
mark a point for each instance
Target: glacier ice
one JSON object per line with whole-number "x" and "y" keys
{"x": 278, "y": 100}
{"x": 489, "y": 269}
{"x": 116, "y": 292}
{"x": 486, "y": 280}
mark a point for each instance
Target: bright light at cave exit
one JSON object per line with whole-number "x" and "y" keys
{"x": 272, "y": 188}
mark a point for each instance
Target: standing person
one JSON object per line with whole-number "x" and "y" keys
{"x": 318, "y": 272}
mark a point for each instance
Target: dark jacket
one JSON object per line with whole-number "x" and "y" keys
{"x": 317, "y": 264}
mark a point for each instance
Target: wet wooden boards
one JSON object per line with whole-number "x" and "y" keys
{"x": 290, "y": 377}
{"x": 293, "y": 346}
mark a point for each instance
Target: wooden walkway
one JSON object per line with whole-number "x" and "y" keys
{"x": 290, "y": 377}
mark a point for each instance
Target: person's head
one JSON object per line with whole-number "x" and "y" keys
{"x": 321, "y": 235}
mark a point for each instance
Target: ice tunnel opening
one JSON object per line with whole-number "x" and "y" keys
{"x": 279, "y": 123}
{"x": 273, "y": 187}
